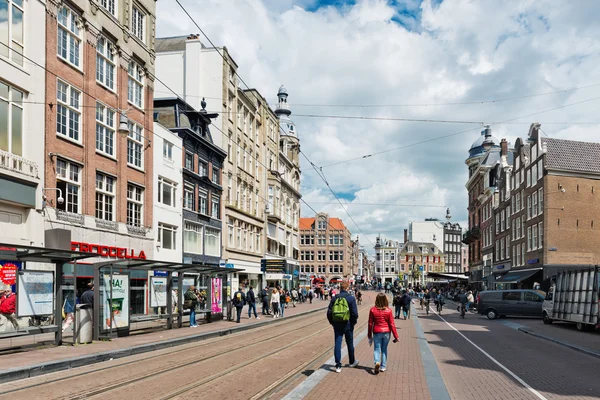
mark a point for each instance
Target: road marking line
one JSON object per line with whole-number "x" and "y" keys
{"x": 508, "y": 371}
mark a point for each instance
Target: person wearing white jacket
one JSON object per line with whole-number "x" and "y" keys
{"x": 275, "y": 302}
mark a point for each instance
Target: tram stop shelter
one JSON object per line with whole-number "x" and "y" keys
{"x": 37, "y": 289}
{"x": 111, "y": 282}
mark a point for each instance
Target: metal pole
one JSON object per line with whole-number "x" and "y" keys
{"x": 96, "y": 315}
{"x": 75, "y": 325}
{"x": 111, "y": 301}
{"x": 58, "y": 305}
{"x": 170, "y": 300}
{"x": 180, "y": 299}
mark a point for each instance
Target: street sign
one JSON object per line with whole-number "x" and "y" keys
{"x": 273, "y": 266}
{"x": 421, "y": 268}
{"x": 296, "y": 272}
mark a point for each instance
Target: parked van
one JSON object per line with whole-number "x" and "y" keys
{"x": 495, "y": 303}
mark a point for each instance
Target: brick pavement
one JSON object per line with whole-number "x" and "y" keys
{"x": 554, "y": 371}
{"x": 51, "y": 354}
{"x": 403, "y": 379}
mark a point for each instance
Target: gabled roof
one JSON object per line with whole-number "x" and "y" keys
{"x": 572, "y": 155}
{"x": 334, "y": 223}
{"x": 431, "y": 247}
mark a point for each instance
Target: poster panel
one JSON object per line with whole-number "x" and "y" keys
{"x": 119, "y": 303}
{"x": 216, "y": 300}
{"x": 158, "y": 291}
{"x": 35, "y": 293}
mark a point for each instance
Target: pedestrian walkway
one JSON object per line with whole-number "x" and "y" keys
{"x": 38, "y": 361}
{"x": 405, "y": 377}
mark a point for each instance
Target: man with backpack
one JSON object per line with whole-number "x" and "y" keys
{"x": 239, "y": 300}
{"x": 397, "y": 302}
{"x": 342, "y": 314}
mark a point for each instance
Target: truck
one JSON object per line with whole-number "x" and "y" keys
{"x": 574, "y": 297}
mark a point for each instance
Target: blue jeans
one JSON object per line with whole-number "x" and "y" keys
{"x": 339, "y": 333}
{"x": 193, "y": 317}
{"x": 380, "y": 345}
{"x": 398, "y": 309}
{"x": 469, "y": 304}
{"x": 239, "y": 313}
{"x": 281, "y": 308}
{"x": 251, "y": 306}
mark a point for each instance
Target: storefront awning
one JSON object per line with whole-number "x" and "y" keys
{"x": 40, "y": 254}
{"x": 518, "y": 276}
{"x": 147, "y": 265}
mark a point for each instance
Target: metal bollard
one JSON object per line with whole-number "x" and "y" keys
{"x": 84, "y": 324}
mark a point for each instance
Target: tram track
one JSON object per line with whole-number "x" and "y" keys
{"x": 279, "y": 383}
{"x": 99, "y": 368}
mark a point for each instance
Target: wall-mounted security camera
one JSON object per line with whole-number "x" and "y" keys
{"x": 60, "y": 200}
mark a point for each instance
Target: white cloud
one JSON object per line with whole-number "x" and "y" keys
{"x": 456, "y": 51}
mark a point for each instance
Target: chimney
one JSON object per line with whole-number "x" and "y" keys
{"x": 405, "y": 235}
{"x": 503, "y": 147}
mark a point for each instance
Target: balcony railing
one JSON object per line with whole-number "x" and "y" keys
{"x": 15, "y": 163}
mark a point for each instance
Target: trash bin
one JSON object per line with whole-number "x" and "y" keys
{"x": 84, "y": 324}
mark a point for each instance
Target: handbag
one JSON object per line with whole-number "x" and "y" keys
{"x": 187, "y": 304}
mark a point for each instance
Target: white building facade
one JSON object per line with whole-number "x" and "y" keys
{"x": 387, "y": 260}
{"x": 167, "y": 172}
{"x": 427, "y": 231}
{"x": 22, "y": 97}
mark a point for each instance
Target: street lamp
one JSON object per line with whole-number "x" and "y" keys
{"x": 123, "y": 125}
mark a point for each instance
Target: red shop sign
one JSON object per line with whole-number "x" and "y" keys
{"x": 107, "y": 251}
{"x": 8, "y": 274}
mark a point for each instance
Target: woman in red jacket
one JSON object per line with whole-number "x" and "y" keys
{"x": 381, "y": 323}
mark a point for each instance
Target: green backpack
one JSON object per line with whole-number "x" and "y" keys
{"x": 340, "y": 310}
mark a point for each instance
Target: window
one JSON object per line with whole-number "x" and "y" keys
{"x": 511, "y": 296}
{"x": 11, "y": 119}
{"x": 192, "y": 237}
{"x": 230, "y": 108}
{"x": 167, "y": 236}
{"x": 230, "y": 229}
{"x": 212, "y": 242}
{"x": 502, "y": 221}
{"x": 188, "y": 196}
{"x": 215, "y": 207}
{"x": 322, "y": 224}
{"x": 530, "y": 296}
{"x": 497, "y": 224}
{"x": 167, "y": 150}
{"x": 541, "y": 201}
{"x": 203, "y": 202}
{"x": 540, "y": 169}
{"x": 68, "y": 111}
{"x": 134, "y": 145}
{"x": 497, "y": 251}
{"x": 105, "y": 129}
{"x": 202, "y": 168}
{"x": 534, "y": 206}
{"x": 137, "y": 23}
{"x": 528, "y": 207}
{"x": 541, "y": 234}
{"x": 508, "y": 247}
{"x": 105, "y": 63}
{"x": 69, "y": 182}
{"x": 529, "y": 243}
{"x": 533, "y": 174}
{"x": 109, "y": 5}
{"x": 134, "y": 205}
{"x": 518, "y": 254}
{"x": 69, "y": 43}
{"x": 166, "y": 192}
{"x": 534, "y": 239}
{"x": 11, "y": 35}
{"x": 135, "y": 84}
{"x": 105, "y": 197}
{"x": 189, "y": 161}
{"x": 216, "y": 176}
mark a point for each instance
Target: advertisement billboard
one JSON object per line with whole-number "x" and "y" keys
{"x": 158, "y": 291}
{"x": 119, "y": 302}
{"x": 35, "y": 294}
{"x": 216, "y": 295}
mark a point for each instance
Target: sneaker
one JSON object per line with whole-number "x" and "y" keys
{"x": 338, "y": 369}
{"x": 257, "y": 317}
{"x": 377, "y": 365}
{"x": 382, "y": 370}
{"x": 354, "y": 364}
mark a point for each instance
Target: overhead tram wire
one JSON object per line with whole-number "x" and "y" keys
{"x": 322, "y": 175}
{"x": 458, "y": 133}
{"x": 247, "y": 87}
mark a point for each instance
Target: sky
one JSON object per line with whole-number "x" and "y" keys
{"x": 454, "y": 63}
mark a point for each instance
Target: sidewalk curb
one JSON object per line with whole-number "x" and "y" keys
{"x": 562, "y": 343}
{"x": 33, "y": 370}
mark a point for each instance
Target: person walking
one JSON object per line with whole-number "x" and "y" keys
{"x": 69, "y": 310}
{"x": 251, "y": 299}
{"x": 190, "y": 302}
{"x": 462, "y": 299}
{"x": 264, "y": 297}
{"x": 282, "y": 302}
{"x": 275, "y": 302}
{"x": 311, "y": 294}
{"x": 239, "y": 300}
{"x": 397, "y": 302}
{"x": 379, "y": 327}
{"x": 406, "y": 300}
{"x": 88, "y": 296}
{"x": 294, "y": 297}
{"x": 342, "y": 314}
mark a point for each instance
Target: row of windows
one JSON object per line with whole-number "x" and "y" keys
{"x": 69, "y": 182}
{"x": 323, "y": 269}
{"x": 309, "y": 255}
{"x": 202, "y": 167}
{"x": 196, "y": 238}
{"x": 452, "y": 237}
{"x": 243, "y": 236}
